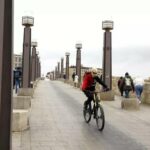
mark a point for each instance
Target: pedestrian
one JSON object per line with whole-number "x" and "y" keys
{"x": 17, "y": 79}
{"x": 73, "y": 76}
{"x": 138, "y": 85}
{"x": 120, "y": 85}
{"x": 128, "y": 84}
{"x": 76, "y": 79}
{"x": 64, "y": 76}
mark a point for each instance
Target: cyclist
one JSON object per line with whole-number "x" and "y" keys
{"x": 88, "y": 85}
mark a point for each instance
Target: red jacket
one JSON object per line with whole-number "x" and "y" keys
{"x": 87, "y": 81}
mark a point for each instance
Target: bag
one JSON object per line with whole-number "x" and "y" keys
{"x": 85, "y": 81}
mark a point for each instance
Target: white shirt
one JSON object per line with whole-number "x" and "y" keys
{"x": 139, "y": 81}
{"x": 76, "y": 79}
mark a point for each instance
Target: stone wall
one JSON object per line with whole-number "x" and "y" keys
{"x": 146, "y": 92}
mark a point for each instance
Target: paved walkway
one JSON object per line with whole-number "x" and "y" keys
{"x": 56, "y": 123}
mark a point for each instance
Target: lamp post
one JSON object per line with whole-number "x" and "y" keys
{"x": 33, "y": 71}
{"x": 36, "y": 68}
{"x": 62, "y": 67}
{"x": 78, "y": 60}
{"x": 6, "y": 52}
{"x": 38, "y": 73}
{"x": 40, "y": 69}
{"x": 107, "y": 53}
{"x": 67, "y": 65}
{"x": 56, "y": 73}
{"x": 27, "y": 21}
{"x": 53, "y": 75}
{"x": 58, "y": 69}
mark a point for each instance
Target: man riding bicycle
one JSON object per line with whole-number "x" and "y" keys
{"x": 89, "y": 83}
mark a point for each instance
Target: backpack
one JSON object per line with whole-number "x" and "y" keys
{"x": 86, "y": 81}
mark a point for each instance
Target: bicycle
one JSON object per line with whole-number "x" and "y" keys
{"x": 97, "y": 110}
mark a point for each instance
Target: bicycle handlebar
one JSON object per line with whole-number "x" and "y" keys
{"x": 95, "y": 92}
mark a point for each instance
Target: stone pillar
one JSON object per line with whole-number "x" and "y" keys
{"x": 26, "y": 67}
{"x": 36, "y": 69}
{"x": 107, "y": 54}
{"x": 33, "y": 71}
{"x": 55, "y": 73}
{"x": 40, "y": 69}
{"x": 67, "y": 65}
{"x": 146, "y": 93}
{"x": 78, "y": 61}
{"x": 58, "y": 69}
{"x": 6, "y": 53}
{"x": 62, "y": 67}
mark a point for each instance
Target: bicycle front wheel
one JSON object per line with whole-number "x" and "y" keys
{"x": 100, "y": 117}
{"x": 87, "y": 113}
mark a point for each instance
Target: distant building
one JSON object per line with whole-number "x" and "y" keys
{"x": 17, "y": 61}
{"x": 83, "y": 70}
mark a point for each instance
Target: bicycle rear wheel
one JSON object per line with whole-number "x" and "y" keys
{"x": 100, "y": 117}
{"x": 87, "y": 113}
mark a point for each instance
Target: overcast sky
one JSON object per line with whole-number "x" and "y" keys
{"x": 59, "y": 24}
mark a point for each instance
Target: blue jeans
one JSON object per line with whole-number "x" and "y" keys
{"x": 17, "y": 85}
{"x": 126, "y": 93}
{"x": 138, "y": 90}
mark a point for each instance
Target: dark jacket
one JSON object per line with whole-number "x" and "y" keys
{"x": 128, "y": 87}
{"x": 120, "y": 83}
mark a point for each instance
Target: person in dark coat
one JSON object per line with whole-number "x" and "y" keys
{"x": 73, "y": 76}
{"x": 120, "y": 85}
{"x": 128, "y": 84}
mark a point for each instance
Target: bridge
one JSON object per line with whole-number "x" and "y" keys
{"x": 47, "y": 114}
{"x": 56, "y": 123}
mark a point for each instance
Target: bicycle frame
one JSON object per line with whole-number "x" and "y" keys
{"x": 97, "y": 110}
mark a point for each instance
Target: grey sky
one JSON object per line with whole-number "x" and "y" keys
{"x": 60, "y": 24}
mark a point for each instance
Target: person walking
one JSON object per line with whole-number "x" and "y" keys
{"x": 76, "y": 79}
{"x": 17, "y": 79}
{"x": 128, "y": 84}
{"x": 138, "y": 85}
{"x": 120, "y": 85}
{"x": 73, "y": 76}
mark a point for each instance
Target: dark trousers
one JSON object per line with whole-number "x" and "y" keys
{"x": 89, "y": 96}
{"x": 17, "y": 85}
{"x": 121, "y": 91}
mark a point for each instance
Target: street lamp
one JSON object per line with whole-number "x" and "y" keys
{"x": 78, "y": 60}
{"x": 67, "y": 65}
{"x": 107, "y": 53}
{"x": 27, "y": 21}
{"x": 107, "y": 25}
{"x": 34, "y": 44}
{"x": 67, "y": 54}
{"x": 78, "y": 45}
{"x": 33, "y": 65}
